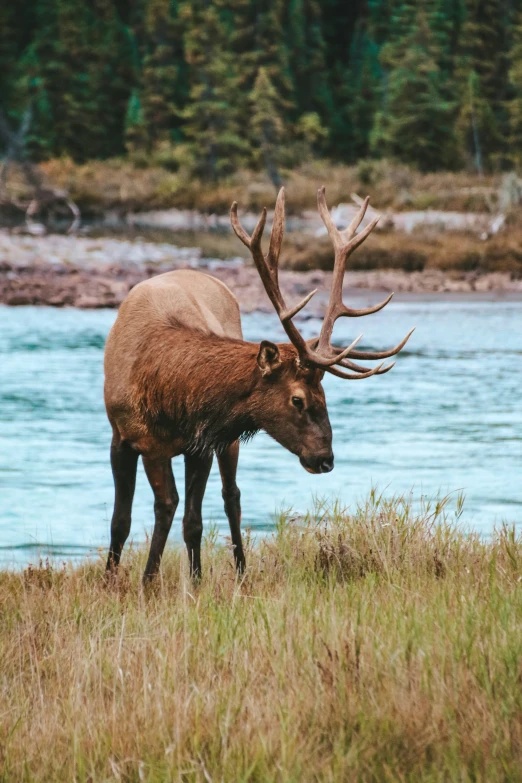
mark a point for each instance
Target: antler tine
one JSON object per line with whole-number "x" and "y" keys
{"x": 345, "y": 243}
{"x": 353, "y": 366}
{"x": 294, "y": 310}
{"x": 312, "y": 344}
{"x": 267, "y": 266}
{"x": 359, "y": 376}
{"x": 278, "y": 229}
{"x": 257, "y": 234}
{"x": 356, "y": 313}
{"x": 334, "y": 233}
{"x": 238, "y": 228}
{"x": 356, "y": 222}
{"x": 382, "y": 354}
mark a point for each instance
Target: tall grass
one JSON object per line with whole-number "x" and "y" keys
{"x": 380, "y": 645}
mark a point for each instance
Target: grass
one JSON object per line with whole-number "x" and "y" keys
{"x": 118, "y": 184}
{"x": 382, "y": 645}
{"x": 417, "y": 252}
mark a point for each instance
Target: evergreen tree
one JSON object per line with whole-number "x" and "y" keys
{"x": 515, "y": 104}
{"x": 415, "y": 124}
{"x": 8, "y": 53}
{"x": 163, "y": 93}
{"x": 307, "y": 59}
{"x": 256, "y": 33}
{"x": 344, "y": 28}
{"x": 77, "y": 74}
{"x": 136, "y": 131}
{"x": 432, "y": 82}
{"x": 267, "y": 127}
{"x": 361, "y": 96}
{"x": 482, "y": 79}
{"x": 213, "y": 127}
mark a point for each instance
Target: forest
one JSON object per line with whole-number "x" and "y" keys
{"x": 215, "y": 86}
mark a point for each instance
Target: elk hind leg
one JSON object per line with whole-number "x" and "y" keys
{"x": 124, "y": 463}
{"x": 227, "y": 461}
{"x": 161, "y": 480}
{"x": 197, "y": 469}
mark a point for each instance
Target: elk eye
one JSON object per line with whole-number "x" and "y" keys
{"x": 298, "y": 403}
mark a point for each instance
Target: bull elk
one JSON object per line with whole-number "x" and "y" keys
{"x": 180, "y": 379}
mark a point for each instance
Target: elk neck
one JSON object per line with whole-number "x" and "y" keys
{"x": 203, "y": 387}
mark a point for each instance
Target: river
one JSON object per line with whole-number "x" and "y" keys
{"x": 448, "y": 417}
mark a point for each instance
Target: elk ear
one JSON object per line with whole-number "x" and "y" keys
{"x": 268, "y": 357}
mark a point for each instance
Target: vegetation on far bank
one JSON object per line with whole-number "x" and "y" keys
{"x": 458, "y": 254}
{"x": 120, "y": 184}
{"x": 379, "y": 645}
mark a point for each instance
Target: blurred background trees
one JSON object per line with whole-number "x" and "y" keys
{"x": 218, "y": 85}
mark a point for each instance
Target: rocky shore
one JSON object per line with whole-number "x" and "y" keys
{"x": 93, "y": 273}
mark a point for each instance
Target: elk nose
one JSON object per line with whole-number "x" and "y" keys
{"x": 327, "y": 464}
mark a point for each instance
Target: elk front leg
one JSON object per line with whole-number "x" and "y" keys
{"x": 197, "y": 469}
{"x": 227, "y": 461}
{"x": 161, "y": 479}
{"x": 124, "y": 463}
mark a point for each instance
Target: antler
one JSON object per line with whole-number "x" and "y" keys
{"x": 318, "y": 352}
{"x": 267, "y": 266}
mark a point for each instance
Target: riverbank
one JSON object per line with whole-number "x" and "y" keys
{"x": 99, "y": 272}
{"x": 382, "y": 645}
{"x": 119, "y": 185}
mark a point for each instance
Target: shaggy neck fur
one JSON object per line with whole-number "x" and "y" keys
{"x": 204, "y": 388}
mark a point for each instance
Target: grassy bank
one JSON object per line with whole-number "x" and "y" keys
{"x": 117, "y": 184}
{"x": 456, "y": 254}
{"x": 99, "y": 187}
{"x": 379, "y": 646}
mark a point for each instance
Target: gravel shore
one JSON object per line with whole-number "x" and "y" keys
{"x": 92, "y": 273}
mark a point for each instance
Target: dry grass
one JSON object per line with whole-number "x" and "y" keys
{"x": 383, "y": 645}
{"x": 449, "y": 252}
{"x": 118, "y": 184}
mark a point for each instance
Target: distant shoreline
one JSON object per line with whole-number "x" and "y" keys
{"x": 95, "y": 273}
{"x": 45, "y": 285}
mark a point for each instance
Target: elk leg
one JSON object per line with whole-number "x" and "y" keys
{"x": 124, "y": 463}
{"x": 197, "y": 469}
{"x": 161, "y": 479}
{"x": 227, "y": 461}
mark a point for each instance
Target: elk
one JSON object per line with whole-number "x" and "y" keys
{"x": 180, "y": 379}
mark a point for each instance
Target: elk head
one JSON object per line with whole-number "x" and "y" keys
{"x": 292, "y": 405}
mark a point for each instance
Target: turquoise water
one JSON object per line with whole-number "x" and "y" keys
{"x": 448, "y": 417}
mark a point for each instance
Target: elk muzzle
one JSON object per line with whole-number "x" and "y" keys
{"x": 318, "y": 463}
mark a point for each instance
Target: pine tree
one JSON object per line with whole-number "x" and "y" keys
{"x": 307, "y": 62}
{"x": 8, "y": 53}
{"x": 360, "y": 98}
{"x": 415, "y": 124}
{"x": 482, "y": 79}
{"x": 515, "y": 104}
{"x": 174, "y": 80}
{"x": 213, "y": 127}
{"x": 163, "y": 93}
{"x": 267, "y": 127}
{"x": 78, "y": 76}
{"x": 136, "y": 131}
{"x": 257, "y": 35}
{"x": 344, "y": 25}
